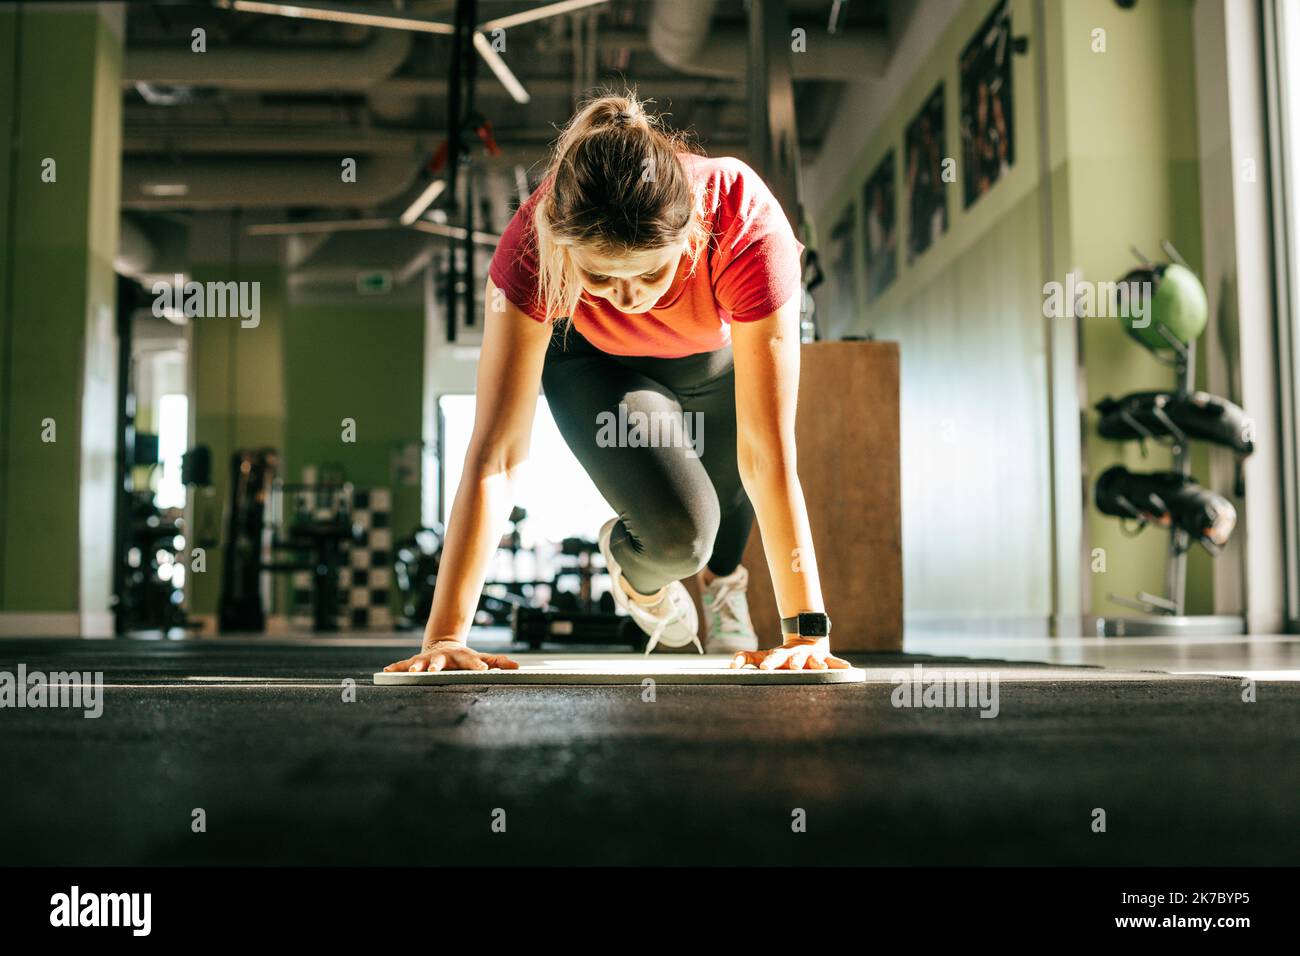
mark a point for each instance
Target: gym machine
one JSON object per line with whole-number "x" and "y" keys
{"x": 148, "y": 567}
{"x": 416, "y": 559}
{"x": 315, "y": 538}
{"x": 576, "y": 616}
{"x": 261, "y": 541}
{"x": 151, "y": 571}
{"x": 241, "y": 606}
{"x": 560, "y": 610}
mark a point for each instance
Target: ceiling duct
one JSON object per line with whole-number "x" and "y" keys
{"x": 347, "y": 253}
{"x": 259, "y": 182}
{"x": 415, "y": 146}
{"x": 677, "y": 31}
{"x": 150, "y": 246}
{"x": 313, "y": 70}
{"x": 329, "y": 273}
{"x": 682, "y": 36}
{"x": 135, "y": 250}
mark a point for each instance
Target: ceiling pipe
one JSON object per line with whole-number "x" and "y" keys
{"x": 272, "y": 69}
{"x": 540, "y": 86}
{"x": 412, "y": 147}
{"x": 393, "y": 108}
{"x": 681, "y": 35}
{"x": 260, "y": 182}
{"x": 193, "y": 140}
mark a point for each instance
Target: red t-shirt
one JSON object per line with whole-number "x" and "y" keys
{"x": 750, "y": 270}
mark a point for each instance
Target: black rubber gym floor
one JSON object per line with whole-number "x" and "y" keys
{"x": 259, "y": 738}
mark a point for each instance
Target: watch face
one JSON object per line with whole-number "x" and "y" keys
{"x": 814, "y": 625}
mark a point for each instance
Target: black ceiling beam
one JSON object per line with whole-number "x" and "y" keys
{"x": 773, "y": 131}
{"x": 460, "y": 104}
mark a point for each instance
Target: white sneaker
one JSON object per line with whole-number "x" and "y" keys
{"x": 671, "y": 621}
{"x": 726, "y": 614}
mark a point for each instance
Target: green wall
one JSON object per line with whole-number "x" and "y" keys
{"x": 9, "y": 112}
{"x": 364, "y": 363}
{"x": 60, "y": 98}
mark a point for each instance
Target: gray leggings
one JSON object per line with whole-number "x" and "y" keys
{"x": 665, "y": 461}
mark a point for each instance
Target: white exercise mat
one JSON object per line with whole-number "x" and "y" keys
{"x": 626, "y": 669}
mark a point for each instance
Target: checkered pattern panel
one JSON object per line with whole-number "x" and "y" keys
{"x": 366, "y": 578}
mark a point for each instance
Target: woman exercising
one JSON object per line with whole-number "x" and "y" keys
{"x": 654, "y": 294}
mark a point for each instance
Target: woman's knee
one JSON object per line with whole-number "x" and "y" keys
{"x": 677, "y": 546}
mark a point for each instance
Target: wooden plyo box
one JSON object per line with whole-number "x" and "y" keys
{"x": 848, "y": 437}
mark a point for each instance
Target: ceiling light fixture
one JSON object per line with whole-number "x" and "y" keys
{"x": 499, "y": 69}
{"x": 337, "y": 14}
{"x": 417, "y": 208}
{"x": 538, "y": 13}
{"x": 165, "y": 189}
{"x": 333, "y": 14}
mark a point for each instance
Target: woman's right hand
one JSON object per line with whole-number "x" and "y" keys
{"x": 452, "y": 655}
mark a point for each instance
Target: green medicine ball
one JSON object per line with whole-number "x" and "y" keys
{"x": 1178, "y": 303}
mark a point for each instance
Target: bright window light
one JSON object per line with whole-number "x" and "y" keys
{"x": 560, "y": 499}
{"x": 173, "y": 437}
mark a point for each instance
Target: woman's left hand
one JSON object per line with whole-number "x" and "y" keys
{"x": 796, "y": 654}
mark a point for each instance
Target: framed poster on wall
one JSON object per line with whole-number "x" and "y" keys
{"x": 880, "y": 210}
{"x": 924, "y": 154}
{"x": 988, "y": 133}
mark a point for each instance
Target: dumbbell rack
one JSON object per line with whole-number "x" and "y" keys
{"x": 1167, "y": 615}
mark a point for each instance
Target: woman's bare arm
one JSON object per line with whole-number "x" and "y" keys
{"x": 509, "y": 378}
{"x": 766, "y": 355}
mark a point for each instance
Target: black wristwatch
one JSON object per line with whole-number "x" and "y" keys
{"x": 806, "y": 624}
